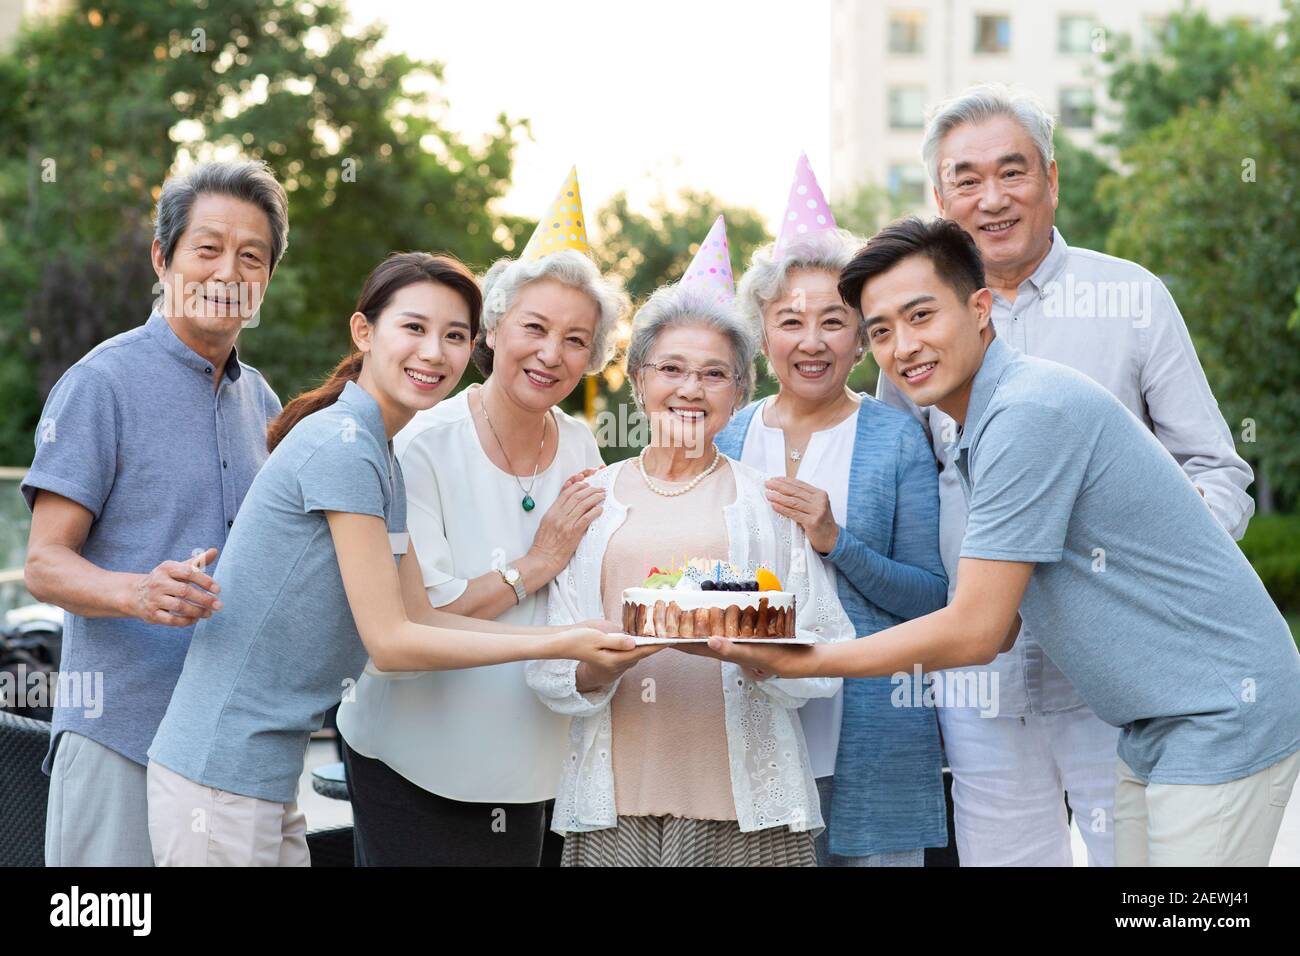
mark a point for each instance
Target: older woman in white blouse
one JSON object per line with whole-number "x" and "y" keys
{"x": 684, "y": 760}
{"x": 455, "y": 767}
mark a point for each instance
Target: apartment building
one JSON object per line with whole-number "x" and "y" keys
{"x": 892, "y": 59}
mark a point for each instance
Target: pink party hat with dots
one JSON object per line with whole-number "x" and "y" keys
{"x": 711, "y": 268}
{"x": 806, "y": 211}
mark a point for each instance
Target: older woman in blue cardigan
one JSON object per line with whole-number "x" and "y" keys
{"x": 861, "y": 480}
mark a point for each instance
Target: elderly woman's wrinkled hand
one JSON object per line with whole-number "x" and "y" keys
{"x": 809, "y": 507}
{"x": 564, "y": 524}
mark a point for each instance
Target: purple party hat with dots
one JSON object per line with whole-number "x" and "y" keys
{"x": 710, "y": 270}
{"x": 806, "y": 211}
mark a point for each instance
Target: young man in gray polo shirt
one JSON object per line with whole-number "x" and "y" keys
{"x": 144, "y": 452}
{"x": 989, "y": 154}
{"x": 1082, "y": 521}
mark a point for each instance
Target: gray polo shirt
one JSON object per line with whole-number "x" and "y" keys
{"x": 1117, "y": 323}
{"x": 1141, "y": 598}
{"x": 261, "y": 674}
{"x": 135, "y": 433}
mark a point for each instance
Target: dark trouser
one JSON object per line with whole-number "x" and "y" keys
{"x": 400, "y": 824}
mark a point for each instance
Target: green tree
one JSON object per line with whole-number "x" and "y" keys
{"x": 869, "y": 208}
{"x": 1196, "y": 60}
{"x": 653, "y": 248}
{"x": 1083, "y": 218}
{"x": 1190, "y": 113}
{"x": 1211, "y": 205}
{"x": 97, "y": 104}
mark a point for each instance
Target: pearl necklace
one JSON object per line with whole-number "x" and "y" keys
{"x": 640, "y": 464}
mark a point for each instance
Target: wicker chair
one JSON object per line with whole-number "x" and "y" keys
{"x": 23, "y": 790}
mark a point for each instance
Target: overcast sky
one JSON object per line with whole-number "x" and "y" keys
{"x": 720, "y": 95}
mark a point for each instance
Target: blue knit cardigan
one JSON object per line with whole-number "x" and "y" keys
{"x": 888, "y": 792}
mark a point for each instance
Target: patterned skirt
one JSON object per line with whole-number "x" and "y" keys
{"x": 674, "y": 841}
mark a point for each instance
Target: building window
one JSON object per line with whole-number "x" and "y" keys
{"x": 906, "y": 31}
{"x": 1075, "y": 34}
{"x": 907, "y": 107}
{"x": 992, "y": 34}
{"x": 1077, "y": 107}
{"x": 906, "y": 183}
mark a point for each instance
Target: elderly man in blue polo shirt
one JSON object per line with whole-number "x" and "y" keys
{"x": 1080, "y": 520}
{"x": 989, "y": 153}
{"x": 144, "y": 452}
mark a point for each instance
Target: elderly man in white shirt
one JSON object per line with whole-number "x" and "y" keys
{"x": 989, "y": 154}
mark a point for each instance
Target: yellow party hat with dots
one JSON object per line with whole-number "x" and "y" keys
{"x": 563, "y": 227}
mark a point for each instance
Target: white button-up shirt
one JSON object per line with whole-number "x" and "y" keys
{"x": 1117, "y": 323}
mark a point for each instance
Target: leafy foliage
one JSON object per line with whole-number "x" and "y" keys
{"x": 100, "y": 103}
{"x": 1211, "y": 205}
{"x": 651, "y": 249}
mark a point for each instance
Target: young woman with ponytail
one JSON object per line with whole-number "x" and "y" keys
{"x": 455, "y": 768}
{"x": 317, "y": 576}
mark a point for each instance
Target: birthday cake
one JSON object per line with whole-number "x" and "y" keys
{"x": 706, "y": 598}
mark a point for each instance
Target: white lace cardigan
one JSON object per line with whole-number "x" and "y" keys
{"x": 771, "y": 776}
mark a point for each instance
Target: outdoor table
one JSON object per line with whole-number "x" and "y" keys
{"x": 330, "y": 781}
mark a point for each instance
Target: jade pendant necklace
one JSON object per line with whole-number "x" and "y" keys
{"x": 528, "y": 504}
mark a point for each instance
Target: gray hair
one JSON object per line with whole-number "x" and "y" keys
{"x": 503, "y": 282}
{"x": 676, "y": 305}
{"x": 764, "y": 281}
{"x": 246, "y": 179}
{"x": 985, "y": 102}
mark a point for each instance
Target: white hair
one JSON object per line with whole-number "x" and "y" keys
{"x": 503, "y": 282}
{"x": 676, "y": 305}
{"x": 765, "y": 280}
{"x": 984, "y": 102}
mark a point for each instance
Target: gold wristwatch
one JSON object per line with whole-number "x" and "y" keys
{"x": 510, "y": 574}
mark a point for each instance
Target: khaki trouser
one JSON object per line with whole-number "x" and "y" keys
{"x": 97, "y": 814}
{"x": 1222, "y": 824}
{"x": 194, "y": 825}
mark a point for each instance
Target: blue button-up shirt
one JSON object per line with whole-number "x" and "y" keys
{"x": 135, "y": 433}
{"x": 1117, "y": 323}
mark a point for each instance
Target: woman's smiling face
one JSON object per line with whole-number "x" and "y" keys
{"x": 689, "y": 413}
{"x": 419, "y": 345}
{"x": 542, "y": 346}
{"x": 810, "y": 337}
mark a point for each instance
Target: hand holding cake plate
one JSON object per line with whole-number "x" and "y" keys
{"x": 779, "y": 660}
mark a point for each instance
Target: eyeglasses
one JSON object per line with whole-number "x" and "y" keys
{"x": 674, "y": 373}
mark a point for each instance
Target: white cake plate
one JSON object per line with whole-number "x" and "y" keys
{"x": 643, "y": 641}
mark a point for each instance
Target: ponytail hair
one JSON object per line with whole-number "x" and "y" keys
{"x": 393, "y": 274}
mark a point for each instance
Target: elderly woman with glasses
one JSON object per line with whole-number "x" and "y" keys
{"x": 678, "y": 759}
{"x": 859, "y": 478}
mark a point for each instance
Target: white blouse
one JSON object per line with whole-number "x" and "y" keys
{"x": 825, "y": 463}
{"x": 478, "y": 735}
{"x": 771, "y": 778}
